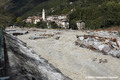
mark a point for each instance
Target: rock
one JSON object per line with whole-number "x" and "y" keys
{"x": 94, "y": 59}
{"x": 104, "y": 60}
{"x": 100, "y": 47}
{"x": 32, "y": 38}
{"x": 114, "y": 54}
{"x": 106, "y": 49}
{"x": 118, "y": 43}
{"x": 118, "y": 55}
{"x": 100, "y": 60}
{"x": 57, "y": 37}
{"x": 96, "y": 44}
{"x": 81, "y": 38}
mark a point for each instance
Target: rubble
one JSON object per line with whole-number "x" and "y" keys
{"x": 43, "y": 35}
{"x": 100, "y": 60}
{"x": 37, "y": 37}
{"x": 107, "y": 45}
{"x": 103, "y": 33}
{"x": 16, "y": 32}
{"x": 103, "y": 60}
{"x": 57, "y": 37}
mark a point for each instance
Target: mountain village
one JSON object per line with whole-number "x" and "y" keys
{"x": 60, "y": 40}
{"x": 61, "y": 20}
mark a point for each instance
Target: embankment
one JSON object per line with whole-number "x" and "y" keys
{"x": 28, "y": 64}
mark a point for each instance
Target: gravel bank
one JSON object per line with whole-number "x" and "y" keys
{"x": 73, "y": 61}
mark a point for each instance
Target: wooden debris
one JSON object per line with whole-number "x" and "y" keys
{"x": 106, "y": 45}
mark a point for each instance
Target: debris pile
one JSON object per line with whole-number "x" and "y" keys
{"x": 106, "y": 45}
{"x": 43, "y": 35}
{"x": 104, "y": 33}
{"x": 16, "y": 32}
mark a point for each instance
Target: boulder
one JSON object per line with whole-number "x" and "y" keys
{"x": 57, "y": 37}
{"x": 100, "y": 47}
{"x": 118, "y": 55}
{"x": 106, "y": 49}
{"x": 81, "y": 38}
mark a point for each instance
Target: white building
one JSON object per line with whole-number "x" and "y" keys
{"x": 63, "y": 23}
{"x": 33, "y": 19}
{"x": 49, "y": 18}
{"x": 29, "y": 20}
{"x": 36, "y": 20}
{"x": 62, "y": 17}
{"x": 61, "y": 20}
{"x": 80, "y": 24}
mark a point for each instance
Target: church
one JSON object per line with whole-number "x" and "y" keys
{"x": 61, "y": 20}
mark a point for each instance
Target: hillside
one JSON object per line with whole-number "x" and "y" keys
{"x": 20, "y": 7}
{"x": 96, "y": 14}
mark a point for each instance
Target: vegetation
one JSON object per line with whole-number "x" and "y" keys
{"x": 54, "y": 25}
{"x": 96, "y": 13}
{"x": 3, "y": 17}
{"x": 42, "y": 25}
{"x": 73, "y": 25}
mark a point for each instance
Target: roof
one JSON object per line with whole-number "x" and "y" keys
{"x": 79, "y": 21}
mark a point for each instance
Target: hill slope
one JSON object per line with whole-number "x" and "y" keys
{"x": 96, "y": 14}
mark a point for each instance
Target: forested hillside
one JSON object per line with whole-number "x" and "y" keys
{"x": 95, "y": 13}
{"x": 4, "y": 4}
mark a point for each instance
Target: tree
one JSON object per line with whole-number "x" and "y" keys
{"x": 41, "y": 24}
{"x": 73, "y": 25}
{"x": 54, "y": 25}
{"x": 12, "y": 19}
{"x": 110, "y": 13}
{"x": 18, "y": 21}
{"x": 3, "y": 11}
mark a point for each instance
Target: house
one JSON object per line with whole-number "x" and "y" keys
{"x": 29, "y": 20}
{"x": 64, "y": 23}
{"x": 49, "y": 24}
{"x": 80, "y": 24}
{"x": 33, "y": 19}
{"x": 62, "y": 16}
{"x": 61, "y": 20}
{"x": 36, "y": 20}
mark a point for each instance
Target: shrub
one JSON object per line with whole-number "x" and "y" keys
{"x": 42, "y": 25}
{"x": 54, "y": 25}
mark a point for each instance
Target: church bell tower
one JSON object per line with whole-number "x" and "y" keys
{"x": 43, "y": 14}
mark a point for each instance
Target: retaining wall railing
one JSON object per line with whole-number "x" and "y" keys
{"x": 2, "y": 60}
